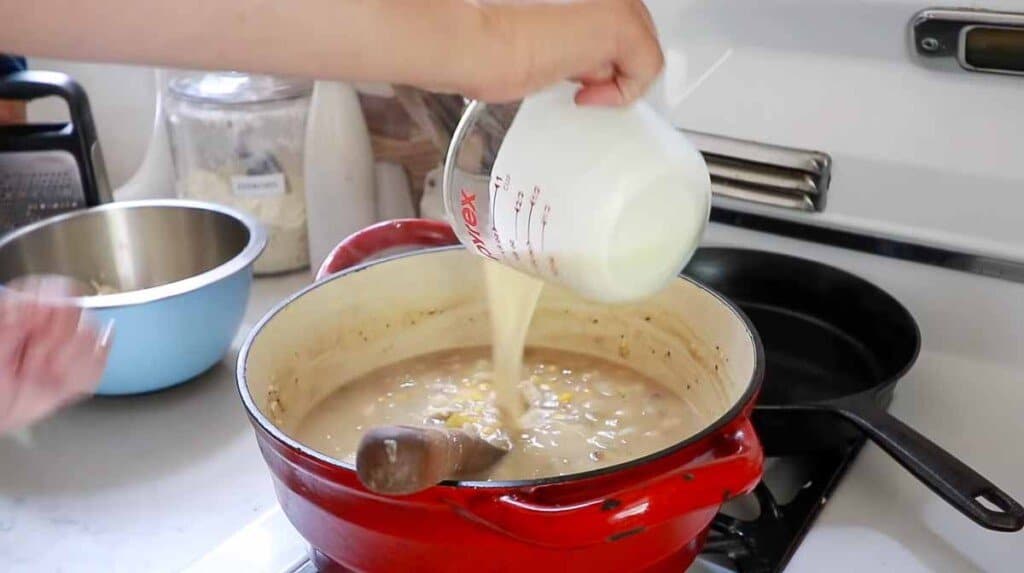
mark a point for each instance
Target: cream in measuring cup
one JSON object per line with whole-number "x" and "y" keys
{"x": 608, "y": 202}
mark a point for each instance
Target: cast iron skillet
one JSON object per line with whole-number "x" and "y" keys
{"x": 836, "y": 344}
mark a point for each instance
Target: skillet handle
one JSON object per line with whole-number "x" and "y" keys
{"x": 619, "y": 515}
{"x": 363, "y": 245}
{"x": 947, "y": 476}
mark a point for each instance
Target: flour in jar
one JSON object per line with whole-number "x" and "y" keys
{"x": 581, "y": 412}
{"x": 238, "y": 140}
{"x": 283, "y": 214}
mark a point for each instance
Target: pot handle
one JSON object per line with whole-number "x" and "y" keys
{"x": 630, "y": 511}
{"x": 947, "y": 476}
{"x": 375, "y": 239}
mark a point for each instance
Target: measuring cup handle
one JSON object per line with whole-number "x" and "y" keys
{"x": 407, "y": 234}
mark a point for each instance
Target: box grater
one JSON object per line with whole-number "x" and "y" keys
{"x": 48, "y": 168}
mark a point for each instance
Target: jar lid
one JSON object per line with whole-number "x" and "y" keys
{"x": 237, "y": 87}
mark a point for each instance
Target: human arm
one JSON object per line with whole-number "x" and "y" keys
{"x": 497, "y": 51}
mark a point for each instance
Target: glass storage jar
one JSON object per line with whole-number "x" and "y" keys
{"x": 237, "y": 139}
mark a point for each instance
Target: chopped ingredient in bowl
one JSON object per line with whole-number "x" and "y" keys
{"x": 102, "y": 289}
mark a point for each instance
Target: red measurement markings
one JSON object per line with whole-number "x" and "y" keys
{"x": 529, "y": 228}
{"x": 544, "y": 224}
{"x": 500, "y": 184}
{"x": 544, "y": 219}
{"x": 497, "y": 241}
{"x": 515, "y": 225}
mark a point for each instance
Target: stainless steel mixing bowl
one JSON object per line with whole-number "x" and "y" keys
{"x": 182, "y": 272}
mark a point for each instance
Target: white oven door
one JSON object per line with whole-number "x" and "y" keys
{"x": 922, "y": 149}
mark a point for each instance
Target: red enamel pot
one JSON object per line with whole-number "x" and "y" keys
{"x": 650, "y": 514}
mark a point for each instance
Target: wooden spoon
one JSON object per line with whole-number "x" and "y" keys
{"x": 400, "y": 460}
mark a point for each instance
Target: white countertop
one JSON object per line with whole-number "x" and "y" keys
{"x": 882, "y": 519}
{"x": 146, "y": 483}
{"x": 155, "y": 483}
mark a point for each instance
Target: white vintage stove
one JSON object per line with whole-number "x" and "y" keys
{"x": 872, "y": 135}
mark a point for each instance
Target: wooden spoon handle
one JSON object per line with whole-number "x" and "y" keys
{"x": 400, "y": 460}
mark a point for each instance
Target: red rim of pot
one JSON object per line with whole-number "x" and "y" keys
{"x": 426, "y": 236}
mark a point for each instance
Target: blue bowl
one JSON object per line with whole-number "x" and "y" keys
{"x": 174, "y": 276}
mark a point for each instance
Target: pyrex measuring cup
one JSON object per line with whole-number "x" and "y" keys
{"x": 608, "y": 202}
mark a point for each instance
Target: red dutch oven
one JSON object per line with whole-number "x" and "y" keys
{"x": 651, "y": 514}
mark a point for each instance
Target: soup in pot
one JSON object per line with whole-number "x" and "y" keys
{"x": 580, "y": 413}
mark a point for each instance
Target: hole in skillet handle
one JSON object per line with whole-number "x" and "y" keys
{"x": 1001, "y": 509}
{"x": 387, "y": 237}
{"x": 991, "y": 502}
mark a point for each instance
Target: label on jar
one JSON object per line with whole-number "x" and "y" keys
{"x": 271, "y": 185}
